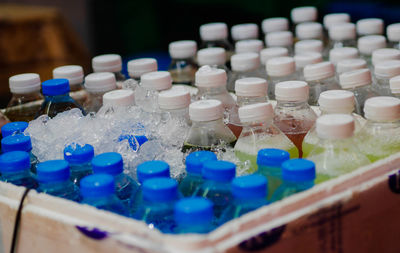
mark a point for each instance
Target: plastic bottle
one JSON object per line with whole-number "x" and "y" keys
{"x": 304, "y": 59}
{"x": 19, "y": 142}
{"x": 304, "y": 46}
{"x": 97, "y": 84}
{"x": 320, "y": 77}
{"x": 194, "y": 165}
{"x": 159, "y": 198}
{"x": 15, "y": 169}
{"x": 251, "y": 90}
{"x": 74, "y": 74}
{"x": 309, "y": 31}
{"x": 208, "y": 131}
{"x": 116, "y": 102}
{"x": 54, "y": 179}
{"x": 297, "y": 175}
{"x": 383, "y": 71}
{"x": 368, "y": 44}
{"x": 393, "y": 35}
{"x": 109, "y": 63}
{"x": 280, "y": 39}
{"x": 336, "y": 152}
{"x": 342, "y": 53}
{"x": 334, "y": 19}
{"x": 279, "y": 69}
{"x": 215, "y": 35}
{"x": 379, "y": 137}
{"x": 183, "y": 66}
{"x": 342, "y": 35}
{"x": 272, "y": 52}
{"x": 79, "y": 159}
{"x": 12, "y": 128}
{"x": 394, "y": 87}
{"x": 370, "y": 26}
{"x": 259, "y": 132}
{"x": 213, "y": 56}
{"x": 269, "y": 163}
{"x": 249, "y": 46}
{"x": 98, "y": 190}
{"x": 136, "y": 68}
{"x": 193, "y": 215}
{"x": 349, "y": 65}
{"x": 247, "y": 31}
{"x": 303, "y": 14}
{"x": 24, "y": 103}
{"x": 56, "y": 98}
{"x": 276, "y": 24}
{"x": 293, "y": 115}
{"x": 244, "y": 65}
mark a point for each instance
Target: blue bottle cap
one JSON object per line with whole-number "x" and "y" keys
{"x": 97, "y": 186}
{"x": 272, "y": 157}
{"x": 249, "y": 187}
{"x": 109, "y": 163}
{"x": 13, "y": 127}
{"x": 298, "y": 170}
{"x": 195, "y": 161}
{"x": 193, "y": 211}
{"x": 152, "y": 169}
{"x": 14, "y": 161}
{"x": 53, "y": 171}
{"x": 77, "y": 154}
{"x": 220, "y": 171}
{"x": 18, "y": 142}
{"x": 160, "y": 189}
{"x": 54, "y": 87}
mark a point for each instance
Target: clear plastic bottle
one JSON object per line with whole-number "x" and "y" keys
{"x": 303, "y": 14}
{"x": 349, "y": 65}
{"x": 109, "y": 63}
{"x": 379, "y": 137}
{"x": 183, "y": 66}
{"x": 194, "y": 165}
{"x": 98, "y": 190}
{"x": 208, "y": 131}
{"x": 276, "y": 24}
{"x": 368, "y": 44}
{"x": 279, "y": 69}
{"x": 15, "y": 169}
{"x": 293, "y": 115}
{"x": 394, "y": 87}
{"x": 25, "y": 89}
{"x": 297, "y": 175}
{"x": 320, "y": 77}
{"x": 247, "y": 31}
{"x": 269, "y": 163}
{"x": 383, "y": 72}
{"x": 193, "y": 215}
{"x": 79, "y": 159}
{"x": 249, "y": 46}
{"x": 97, "y": 84}
{"x": 216, "y": 35}
{"x": 360, "y": 83}
{"x": 12, "y": 128}
{"x": 159, "y": 198}
{"x": 393, "y": 35}
{"x": 272, "y": 52}
{"x": 74, "y": 74}
{"x": 280, "y": 39}
{"x": 57, "y": 98}
{"x": 304, "y": 46}
{"x": 304, "y": 59}
{"x": 336, "y": 152}
{"x": 259, "y": 132}
{"x": 342, "y": 53}
{"x": 251, "y": 90}
{"x": 136, "y": 68}
{"x": 309, "y": 31}
{"x": 342, "y": 35}
{"x": 370, "y": 26}
{"x": 213, "y": 56}
{"x": 54, "y": 179}
{"x": 19, "y": 142}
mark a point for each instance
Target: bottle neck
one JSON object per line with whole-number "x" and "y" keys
{"x": 246, "y": 100}
{"x": 257, "y": 125}
{"x": 16, "y": 175}
{"x": 325, "y": 111}
{"x": 34, "y": 94}
{"x": 55, "y": 185}
{"x": 212, "y": 90}
{"x": 292, "y": 104}
{"x": 302, "y": 185}
{"x": 57, "y": 97}
{"x": 208, "y": 124}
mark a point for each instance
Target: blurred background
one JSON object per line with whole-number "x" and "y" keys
{"x": 39, "y": 35}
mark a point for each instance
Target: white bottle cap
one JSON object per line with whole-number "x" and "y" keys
{"x": 206, "y": 110}
{"x": 174, "y": 98}
{"x": 342, "y": 53}
{"x": 395, "y": 84}
{"x": 281, "y": 66}
{"x": 304, "y": 14}
{"x": 382, "y": 108}
{"x": 208, "y": 77}
{"x": 387, "y": 69}
{"x": 119, "y": 98}
{"x": 251, "y": 87}
{"x": 344, "y": 31}
{"x": 355, "y": 78}
{"x": 274, "y": 25}
{"x": 368, "y": 44}
{"x": 308, "y": 46}
{"x": 385, "y": 54}
{"x": 370, "y": 26}
{"x": 100, "y": 82}
{"x": 107, "y": 63}
{"x": 330, "y": 20}
{"x": 393, "y": 32}
{"x": 350, "y": 64}
{"x": 335, "y": 126}
{"x": 74, "y": 73}
{"x": 214, "y": 31}
{"x": 138, "y": 67}
{"x": 24, "y": 83}
{"x": 309, "y": 30}
{"x": 157, "y": 80}
{"x": 244, "y": 32}
{"x": 259, "y": 112}
{"x": 182, "y": 49}
{"x": 279, "y": 39}
{"x": 273, "y": 52}
{"x": 249, "y": 46}
{"x": 319, "y": 71}
{"x": 211, "y": 56}
{"x": 245, "y": 62}
{"x": 293, "y": 91}
{"x": 337, "y": 101}
{"x": 307, "y": 58}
